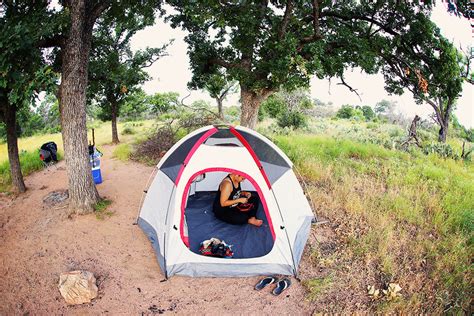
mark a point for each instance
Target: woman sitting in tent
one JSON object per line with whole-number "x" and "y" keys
{"x": 230, "y": 207}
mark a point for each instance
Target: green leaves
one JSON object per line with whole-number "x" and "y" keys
{"x": 114, "y": 70}
{"x": 23, "y": 69}
{"x": 281, "y": 44}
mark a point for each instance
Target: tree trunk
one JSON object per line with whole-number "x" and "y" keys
{"x": 443, "y": 116}
{"x": 83, "y": 194}
{"x": 250, "y": 103}
{"x": 219, "y": 108}
{"x": 443, "y": 132}
{"x": 115, "y": 138}
{"x": 12, "y": 142}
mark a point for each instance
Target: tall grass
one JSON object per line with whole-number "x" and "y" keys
{"x": 29, "y": 162}
{"x": 409, "y": 215}
{"x": 122, "y": 152}
{"x": 28, "y": 147}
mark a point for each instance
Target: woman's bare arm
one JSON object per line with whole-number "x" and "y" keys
{"x": 226, "y": 190}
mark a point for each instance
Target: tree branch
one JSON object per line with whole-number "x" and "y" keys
{"x": 96, "y": 11}
{"x": 359, "y": 17}
{"x": 348, "y": 86}
{"x": 317, "y": 32}
{"x": 196, "y": 109}
{"x": 286, "y": 19}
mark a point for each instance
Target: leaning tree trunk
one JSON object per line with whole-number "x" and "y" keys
{"x": 83, "y": 194}
{"x": 250, "y": 103}
{"x": 12, "y": 143}
{"x": 115, "y": 138}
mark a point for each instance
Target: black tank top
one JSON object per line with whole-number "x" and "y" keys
{"x": 235, "y": 194}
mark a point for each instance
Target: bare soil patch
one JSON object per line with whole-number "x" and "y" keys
{"x": 37, "y": 243}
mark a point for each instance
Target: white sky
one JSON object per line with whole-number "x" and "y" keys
{"x": 172, "y": 73}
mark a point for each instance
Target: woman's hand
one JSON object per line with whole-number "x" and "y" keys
{"x": 242, "y": 200}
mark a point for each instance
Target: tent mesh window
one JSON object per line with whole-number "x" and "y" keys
{"x": 223, "y": 137}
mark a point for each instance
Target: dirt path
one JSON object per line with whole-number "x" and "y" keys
{"x": 37, "y": 243}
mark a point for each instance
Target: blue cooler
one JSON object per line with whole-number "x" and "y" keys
{"x": 97, "y": 175}
{"x": 95, "y": 165}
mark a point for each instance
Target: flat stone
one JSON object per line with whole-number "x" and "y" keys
{"x": 78, "y": 287}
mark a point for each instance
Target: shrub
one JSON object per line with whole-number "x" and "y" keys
{"x": 368, "y": 113}
{"x": 441, "y": 149}
{"x": 292, "y": 119}
{"x": 128, "y": 130}
{"x": 345, "y": 112}
{"x": 349, "y": 112}
{"x": 153, "y": 148}
{"x": 273, "y": 106}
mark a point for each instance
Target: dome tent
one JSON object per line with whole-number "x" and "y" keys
{"x": 176, "y": 213}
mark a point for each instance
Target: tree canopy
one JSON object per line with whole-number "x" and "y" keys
{"x": 269, "y": 45}
{"x": 429, "y": 66}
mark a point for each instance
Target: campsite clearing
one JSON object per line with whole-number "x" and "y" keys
{"x": 38, "y": 243}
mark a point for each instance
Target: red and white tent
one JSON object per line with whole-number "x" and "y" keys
{"x": 176, "y": 211}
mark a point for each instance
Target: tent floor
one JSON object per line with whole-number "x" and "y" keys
{"x": 247, "y": 241}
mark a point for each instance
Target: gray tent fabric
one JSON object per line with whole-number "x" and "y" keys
{"x": 151, "y": 234}
{"x": 264, "y": 152}
{"x": 173, "y": 163}
{"x": 229, "y": 269}
{"x": 301, "y": 238}
{"x": 273, "y": 172}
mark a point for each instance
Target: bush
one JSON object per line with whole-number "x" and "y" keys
{"x": 292, "y": 119}
{"x": 441, "y": 149}
{"x": 349, "y": 112}
{"x": 345, "y": 112}
{"x": 156, "y": 145}
{"x": 167, "y": 134}
{"x": 273, "y": 106}
{"x": 128, "y": 130}
{"x": 368, "y": 113}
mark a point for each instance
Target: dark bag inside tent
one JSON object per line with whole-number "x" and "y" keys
{"x": 248, "y": 241}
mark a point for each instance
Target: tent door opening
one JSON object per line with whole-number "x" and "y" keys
{"x": 199, "y": 222}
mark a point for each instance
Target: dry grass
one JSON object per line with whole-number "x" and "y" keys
{"x": 396, "y": 217}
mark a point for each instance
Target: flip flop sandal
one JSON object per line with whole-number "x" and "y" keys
{"x": 281, "y": 286}
{"x": 264, "y": 282}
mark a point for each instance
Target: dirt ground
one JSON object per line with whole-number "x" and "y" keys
{"x": 37, "y": 243}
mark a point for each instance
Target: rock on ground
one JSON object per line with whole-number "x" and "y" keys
{"x": 78, "y": 287}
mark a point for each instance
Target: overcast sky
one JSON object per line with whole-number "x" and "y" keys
{"x": 172, "y": 73}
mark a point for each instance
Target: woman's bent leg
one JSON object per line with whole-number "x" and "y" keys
{"x": 232, "y": 216}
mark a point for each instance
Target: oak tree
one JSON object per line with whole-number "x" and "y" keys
{"x": 23, "y": 71}
{"x": 273, "y": 44}
{"x": 116, "y": 71}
